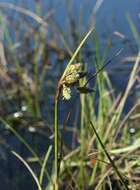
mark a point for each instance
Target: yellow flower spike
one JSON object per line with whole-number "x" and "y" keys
{"x": 72, "y": 75}
{"x": 66, "y": 92}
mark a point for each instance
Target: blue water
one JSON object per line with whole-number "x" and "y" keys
{"x": 110, "y": 16}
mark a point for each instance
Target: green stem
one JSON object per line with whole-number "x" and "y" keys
{"x": 109, "y": 158}
{"x": 82, "y": 141}
{"x": 56, "y": 144}
{"x": 56, "y": 148}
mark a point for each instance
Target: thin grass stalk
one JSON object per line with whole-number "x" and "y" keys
{"x": 109, "y": 158}
{"x": 56, "y": 141}
{"x": 93, "y": 174}
{"x": 125, "y": 120}
{"x": 44, "y": 164}
{"x": 100, "y": 83}
{"x": 38, "y": 8}
{"x": 104, "y": 175}
{"x": 119, "y": 110}
{"x": 22, "y": 140}
{"x": 82, "y": 137}
{"x": 134, "y": 30}
{"x": 29, "y": 169}
{"x": 62, "y": 36}
{"x": 77, "y": 51}
{"x": 130, "y": 148}
{"x": 82, "y": 132}
{"x": 99, "y": 79}
{"x": 109, "y": 183}
{"x": 56, "y": 144}
{"x": 131, "y": 82}
{"x": 26, "y": 12}
{"x": 36, "y": 77}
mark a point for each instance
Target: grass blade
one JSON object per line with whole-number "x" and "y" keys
{"x": 44, "y": 164}
{"x": 77, "y": 51}
{"x": 56, "y": 151}
{"x": 29, "y": 169}
{"x": 23, "y": 141}
{"x": 109, "y": 158}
